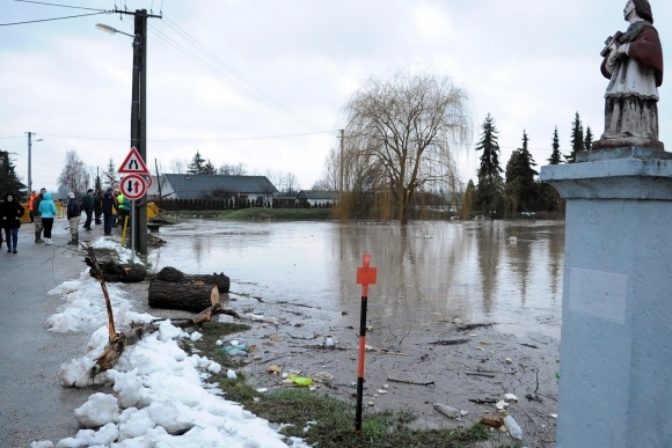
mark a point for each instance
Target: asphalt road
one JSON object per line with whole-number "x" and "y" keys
{"x": 33, "y": 404}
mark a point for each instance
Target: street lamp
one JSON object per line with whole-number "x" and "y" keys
{"x": 30, "y": 160}
{"x": 138, "y": 112}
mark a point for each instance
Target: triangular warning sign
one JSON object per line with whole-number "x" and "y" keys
{"x": 133, "y": 164}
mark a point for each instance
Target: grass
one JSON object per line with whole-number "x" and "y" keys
{"x": 324, "y": 421}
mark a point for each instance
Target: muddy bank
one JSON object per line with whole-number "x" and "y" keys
{"x": 449, "y": 362}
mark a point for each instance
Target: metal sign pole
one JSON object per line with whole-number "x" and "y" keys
{"x": 133, "y": 231}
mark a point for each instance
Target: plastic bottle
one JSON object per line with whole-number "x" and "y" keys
{"x": 513, "y": 428}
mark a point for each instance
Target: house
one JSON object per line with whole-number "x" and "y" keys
{"x": 317, "y": 198}
{"x": 256, "y": 189}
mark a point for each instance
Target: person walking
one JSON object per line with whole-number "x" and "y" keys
{"x": 98, "y": 207}
{"x": 47, "y": 210}
{"x": 10, "y": 216}
{"x": 29, "y": 204}
{"x": 37, "y": 218}
{"x": 88, "y": 205}
{"x": 74, "y": 213}
{"x": 108, "y": 208}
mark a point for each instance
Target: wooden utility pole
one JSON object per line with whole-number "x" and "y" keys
{"x": 342, "y": 164}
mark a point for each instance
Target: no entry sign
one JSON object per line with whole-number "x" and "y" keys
{"x": 133, "y": 186}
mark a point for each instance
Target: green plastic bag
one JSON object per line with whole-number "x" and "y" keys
{"x": 302, "y": 381}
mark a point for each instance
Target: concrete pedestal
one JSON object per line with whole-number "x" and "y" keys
{"x": 616, "y": 347}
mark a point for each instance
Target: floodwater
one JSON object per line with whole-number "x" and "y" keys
{"x": 504, "y": 272}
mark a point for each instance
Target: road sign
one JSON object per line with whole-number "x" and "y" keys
{"x": 133, "y": 186}
{"x": 133, "y": 163}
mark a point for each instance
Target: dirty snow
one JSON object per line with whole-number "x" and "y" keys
{"x": 160, "y": 397}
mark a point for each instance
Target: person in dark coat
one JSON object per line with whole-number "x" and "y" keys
{"x": 108, "y": 210}
{"x": 74, "y": 214}
{"x": 88, "y": 206}
{"x": 98, "y": 207}
{"x": 10, "y": 216}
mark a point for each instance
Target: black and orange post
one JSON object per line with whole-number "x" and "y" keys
{"x": 366, "y": 275}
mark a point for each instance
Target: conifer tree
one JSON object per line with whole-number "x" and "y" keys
{"x": 521, "y": 190}
{"x": 489, "y": 197}
{"x": 588, "y": 139}
{"x": 555, "y": 158}
{"x": 209, "y": 169}
{"x": 197, "y": 164}
{"x": 577, "y": 139}
{"x": 9, "y": 181}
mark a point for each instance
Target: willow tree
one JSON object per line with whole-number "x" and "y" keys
{"x": 400, "y": 134}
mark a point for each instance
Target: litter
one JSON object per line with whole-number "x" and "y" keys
{"x": 301, "y": 381}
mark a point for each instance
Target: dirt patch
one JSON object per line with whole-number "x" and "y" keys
{"x": 469, "y": 366}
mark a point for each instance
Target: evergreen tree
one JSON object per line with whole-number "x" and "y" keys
{"x": 577, "y": 139}
{"x": 209, "y": 169}
{"x": 521, "y": 190}
{"x": 588, "y": 140}
{"x": 197, "y": 164}
{"x": 468, "y": 201}
{"x": 110, "y": 174}
{"x": 555, "y": 158}
{"x": 489, "y": 197}
{"x": 9, "y": 181}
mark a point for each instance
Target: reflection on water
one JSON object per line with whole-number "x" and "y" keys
{"x": 504, "y": 272}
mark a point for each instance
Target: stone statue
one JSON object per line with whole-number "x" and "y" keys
{"x": 633, "y": 62}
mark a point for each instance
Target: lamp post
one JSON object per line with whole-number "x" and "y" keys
{"x": 138, "y": 111}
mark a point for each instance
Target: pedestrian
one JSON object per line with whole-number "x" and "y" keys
{"x": 98, "y": 207}
{"x": 108, "y": 209}
{"x": 47, "y": 211}
{"x": 37, "y": 218}
{"x": 123, "y": 210}
{"x": 115, "y": 208}
{"x": 74, "y": 213}
{"x": 29, "y": 204}
{"x": 88, "y": 205}
{"x": 10, "y": 216}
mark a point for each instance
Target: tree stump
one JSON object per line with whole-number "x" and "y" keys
{"x": 170, "y": 274}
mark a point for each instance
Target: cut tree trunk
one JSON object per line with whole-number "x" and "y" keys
{"x": 188, "y": 296}
{"x": 115, "y": 272}
{"x": 170, "y": 274}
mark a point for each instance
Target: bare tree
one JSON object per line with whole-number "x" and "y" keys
{"x": 399, "y": 136}
{"x": 232, "y": 170}
{"x": 177, "y": 166}
{"x": 291, "y": 183}
{"x": 74, "y": 176}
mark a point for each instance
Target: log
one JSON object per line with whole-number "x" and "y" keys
{"x": 188, "y": 296}
{"x": 170, "y": 274}
{"x": 116, "y": 272}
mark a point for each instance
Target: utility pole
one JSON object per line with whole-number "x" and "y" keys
{"x": 30, "y": 161}
{"x": 342, "y": 164}
{"x": 139, "y": 118}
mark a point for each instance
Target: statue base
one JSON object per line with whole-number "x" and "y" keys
{"x": 625, "y": 142}
{"x": 627, "y": 152}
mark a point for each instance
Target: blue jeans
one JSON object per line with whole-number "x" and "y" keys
{"x": 12, "y": 237}
{"x": 107, "y": 223}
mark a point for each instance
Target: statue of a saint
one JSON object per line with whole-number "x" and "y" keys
{"x": 633, "y": 62}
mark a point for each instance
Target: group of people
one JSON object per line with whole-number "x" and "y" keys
{"x": 111, "y": 206}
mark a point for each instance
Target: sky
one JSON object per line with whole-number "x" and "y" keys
{"x": 264, "y": 83}
{"x": 158, "y": 389}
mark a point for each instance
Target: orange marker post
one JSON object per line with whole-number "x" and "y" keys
{"x": 366, "y": 276}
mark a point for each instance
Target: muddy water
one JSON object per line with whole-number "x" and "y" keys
{"x": 504, "y": 272}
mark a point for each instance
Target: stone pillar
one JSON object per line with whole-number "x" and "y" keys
{"x": 616, "y": 346}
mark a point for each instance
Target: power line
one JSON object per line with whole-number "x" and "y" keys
{"x": 216, "y": 139}
{"x": 55, "y": 18}
{"x": 60, "y": 5}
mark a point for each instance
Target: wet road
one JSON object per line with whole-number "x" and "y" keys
{"x": 33, "y": 404}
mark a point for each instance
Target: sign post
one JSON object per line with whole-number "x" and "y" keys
{"x": 366, "y": 276}
{"x": 134, "y": 186}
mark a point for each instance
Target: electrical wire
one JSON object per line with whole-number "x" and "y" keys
{"x": 232, "y": 74}
{"x": 55, "y": 18}
{"x": 59, "y": 5}
{"x": 215, "y": 139}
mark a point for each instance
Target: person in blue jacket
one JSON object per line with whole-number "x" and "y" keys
{"x": 47, "y": 209}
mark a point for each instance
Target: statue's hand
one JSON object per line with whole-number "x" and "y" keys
{"x": 622, "y": 49}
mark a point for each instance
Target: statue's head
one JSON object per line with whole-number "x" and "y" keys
{"x": 643, "y": 9}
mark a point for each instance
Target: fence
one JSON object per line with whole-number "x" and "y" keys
{"x": 227, "y": 204}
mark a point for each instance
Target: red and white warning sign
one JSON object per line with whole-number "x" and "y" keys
{"x": 133, "y": 163}
{"x": 133, "y": 186}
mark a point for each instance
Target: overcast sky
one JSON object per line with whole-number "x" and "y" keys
{"x": 270, "y": 89}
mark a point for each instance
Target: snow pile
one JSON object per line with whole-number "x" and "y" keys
{"x": 84, "y": 306}
{"x": 160, "y": 395}
{"x": 125, "y": 254}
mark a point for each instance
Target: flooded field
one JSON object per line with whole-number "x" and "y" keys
{"x": 462, "y": 313}
{"x": 504, "y": 272}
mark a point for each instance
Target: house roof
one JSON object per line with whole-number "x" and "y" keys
{"x": 318, "y": 195}
{"x": 188, "y": 186}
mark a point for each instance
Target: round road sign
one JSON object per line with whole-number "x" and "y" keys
{"x": 133, "y": 186}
